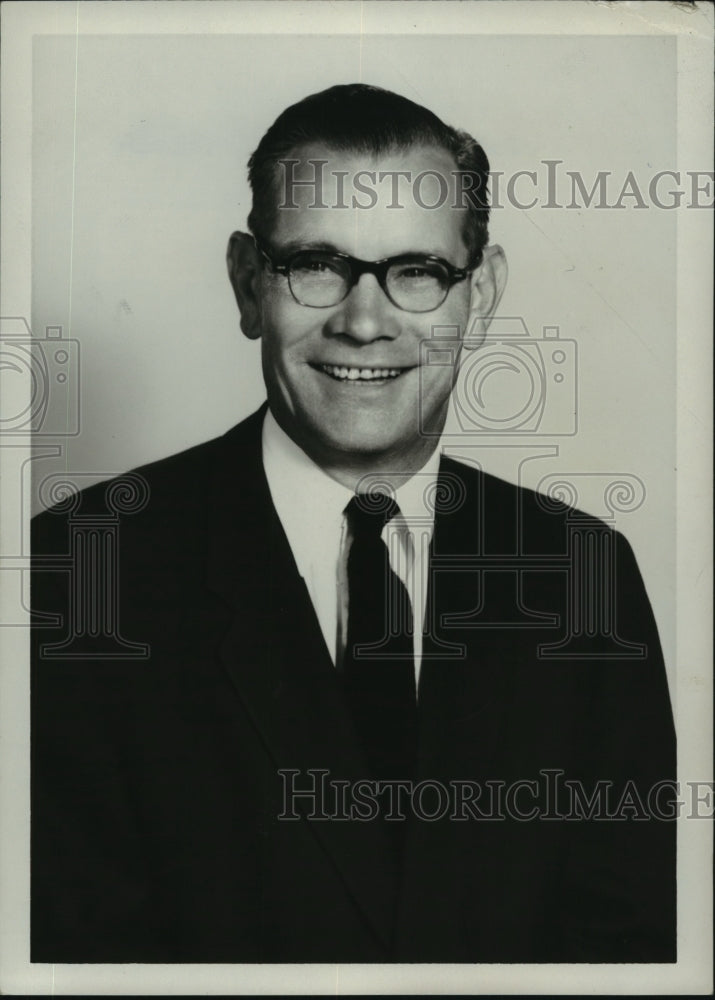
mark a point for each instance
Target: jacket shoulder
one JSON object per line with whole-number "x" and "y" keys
{"x": 509, "y": 514}
{"x": 161, "y": 491}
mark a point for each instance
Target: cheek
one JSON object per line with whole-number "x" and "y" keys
{"x": 438, "y": 381}
{"x": 281, "y": 333}
{"x": 440, "y": 349}
{"x": 280, "y": 314}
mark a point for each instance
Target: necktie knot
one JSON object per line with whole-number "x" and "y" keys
{"x": 368, "y": 513}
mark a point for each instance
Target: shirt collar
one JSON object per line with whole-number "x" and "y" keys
{"x": 310, "y": 503}
{"x": 415, "y": 498}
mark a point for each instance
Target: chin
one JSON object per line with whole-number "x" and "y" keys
{"x": 363, "y": 446}
{"x": 353, "y": 444}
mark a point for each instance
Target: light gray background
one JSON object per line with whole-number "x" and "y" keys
{"x": 139, "y": 175}
{"x": 527, "y": 99}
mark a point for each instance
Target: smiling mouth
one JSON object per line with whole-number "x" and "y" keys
{"x": 341, "y": 373}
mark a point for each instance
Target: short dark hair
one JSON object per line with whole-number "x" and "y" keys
{"x": 360, "y": 118}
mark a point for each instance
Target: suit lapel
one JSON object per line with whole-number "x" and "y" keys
{"x": 463, "y": 692}
{"x": 462, "y": 681}
{"x": 275, "y": 655}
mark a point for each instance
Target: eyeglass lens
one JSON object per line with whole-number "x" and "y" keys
{"x": 321, "y": 280}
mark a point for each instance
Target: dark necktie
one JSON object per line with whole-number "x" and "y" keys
{"x": 378, "y": 665}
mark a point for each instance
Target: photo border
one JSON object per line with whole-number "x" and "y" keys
{"x": 693, "y": 697}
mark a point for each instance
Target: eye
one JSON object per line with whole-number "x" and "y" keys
{"x": 316, "y": 265}
{"x": 414, "y": 271}
{"x": 418, "y": 271}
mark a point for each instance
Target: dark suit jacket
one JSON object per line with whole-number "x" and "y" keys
{"x": 155, "y": 778}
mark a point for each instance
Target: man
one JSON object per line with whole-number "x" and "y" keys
{"x": 364, "y": 676}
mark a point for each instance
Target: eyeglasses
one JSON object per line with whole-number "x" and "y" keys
{"x": 412, "y": 282}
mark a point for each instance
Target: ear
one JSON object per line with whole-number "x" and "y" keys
{"x": 244, "y": 271}
{"x": 487, "y": 287}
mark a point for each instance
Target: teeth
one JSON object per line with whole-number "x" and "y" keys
{"x": 356, "y": 374}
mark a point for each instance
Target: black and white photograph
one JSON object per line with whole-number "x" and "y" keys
{"x": 356, "y": 497}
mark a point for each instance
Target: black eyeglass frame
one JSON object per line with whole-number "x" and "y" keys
{"x": 379, "y": 268}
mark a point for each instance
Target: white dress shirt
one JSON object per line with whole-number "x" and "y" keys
{"x": 311, "y": 505}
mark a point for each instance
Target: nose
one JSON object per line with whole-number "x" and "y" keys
{"x": 366, "y": 314}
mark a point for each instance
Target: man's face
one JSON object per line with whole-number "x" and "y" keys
{"x": 307, "y": 351}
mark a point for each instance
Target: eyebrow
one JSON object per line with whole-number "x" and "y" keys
{"x": 286, "y": 249}
{"x": 295, "y": 245}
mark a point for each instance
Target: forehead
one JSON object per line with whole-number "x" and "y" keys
{"x": 371, "y": 206}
